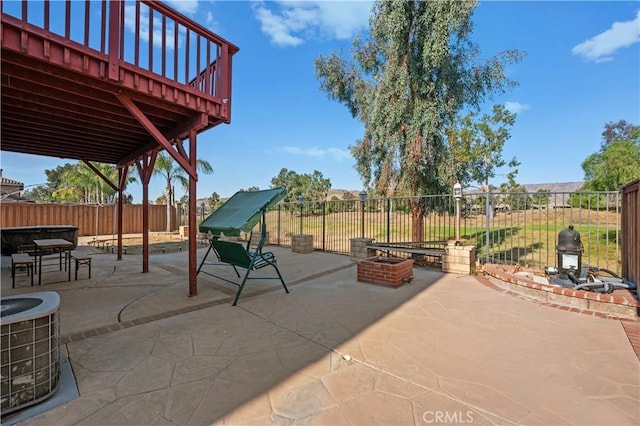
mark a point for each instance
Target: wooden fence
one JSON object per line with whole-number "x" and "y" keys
{"x": 631, "y": 232}
{"x": 90, "y": 219}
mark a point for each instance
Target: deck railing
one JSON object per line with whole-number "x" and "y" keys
{"x": 147, "y": 34}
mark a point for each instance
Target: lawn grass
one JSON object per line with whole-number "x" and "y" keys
{"x": 524, "y": 237}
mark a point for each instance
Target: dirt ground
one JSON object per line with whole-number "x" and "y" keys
{"x": 159, "y": 243}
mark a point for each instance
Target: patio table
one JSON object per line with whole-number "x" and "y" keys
{"x": 53, "y": 244}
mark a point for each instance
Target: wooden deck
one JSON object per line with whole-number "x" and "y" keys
{"x": 112, "y": 82}
{"x": 68, "y": 89}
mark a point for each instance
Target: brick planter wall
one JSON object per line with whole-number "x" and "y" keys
{"x": 459, "y": 259}
{"x": 359, "y": 250}
{"x": 302, "y": 243}
{"x": 389, "y": 271}
{"x": 622, "y": 303}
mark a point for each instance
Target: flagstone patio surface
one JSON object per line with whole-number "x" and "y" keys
{"x": 445, "y": 349}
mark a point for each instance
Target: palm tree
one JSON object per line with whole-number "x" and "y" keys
{"x": 81, "y": 184}
{"x": 171, "y": 171}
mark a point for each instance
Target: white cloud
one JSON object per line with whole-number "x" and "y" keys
{"x": 602, "y": 46}
{"x": 516, "y": 107}
{"x": 339, "y": 154}
{"x": 289, "y": 23}
{"x": 188, "y": 7}
{"x": 130, "y": 24}
{"x": 336, "y": 153}
{"x": 276, "y": 27}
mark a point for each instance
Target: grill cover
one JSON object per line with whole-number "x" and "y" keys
{"x": 241, "y": 212}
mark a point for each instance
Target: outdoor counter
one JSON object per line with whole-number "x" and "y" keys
{"x": 14, "y": 237}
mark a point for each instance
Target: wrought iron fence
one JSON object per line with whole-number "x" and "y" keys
{"x": 520, "y": 228}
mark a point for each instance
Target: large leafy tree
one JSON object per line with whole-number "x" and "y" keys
{"x": 78, "y": 183}
{"x": 47, "y": 193}
{"x": 172, "y": 172}
{"x": 617, "y": 162}
{"x": 312, "y": 186}
{"x": 214, "y": 201}
{"x": 407, "y": 81}
{"x": 541, "y": 197}
{"x": 476, "y": 146}
{"x": 621, "y": 130}
{"x": 515, "y": 195}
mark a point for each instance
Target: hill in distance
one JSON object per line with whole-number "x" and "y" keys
{"x": 530, "y": 187}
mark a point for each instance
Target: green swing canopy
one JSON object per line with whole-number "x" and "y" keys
{"x": 241, "y": 212}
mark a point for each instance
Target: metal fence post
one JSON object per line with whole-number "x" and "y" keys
{"x": 487, "y": 227}
{"x": 363, "y": 198}
{"x": 300, "y": 203}
{"x": 324, "y": 219}
{"x": 278, "y": 225}
{"x": 388, "y": 220}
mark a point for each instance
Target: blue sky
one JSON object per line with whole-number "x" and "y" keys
{"x": 581, "y": 71}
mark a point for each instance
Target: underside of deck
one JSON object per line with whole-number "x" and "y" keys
{"x": 117, "y": 84}
{"x": 65, "y": 99}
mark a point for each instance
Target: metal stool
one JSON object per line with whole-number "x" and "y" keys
{"x": 82, "y": 260}
{"x": 21, "y": 259}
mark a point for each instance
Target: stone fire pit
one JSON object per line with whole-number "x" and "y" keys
{"x": 389, "y": 271}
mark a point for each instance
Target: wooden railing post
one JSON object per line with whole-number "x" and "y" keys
{"x": 226, "y": 83}
{"x": 114, "y": 42}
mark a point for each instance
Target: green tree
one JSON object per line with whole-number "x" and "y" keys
{"x": 214, "y": 201}
{"x": 477, "y": 145}
{"x": 171, "y": 171}
{"x": 311, "y": 186}
{"x": 349, "y": 201}
{"x": 250, "y": 189}
{"x": 617, "y": 162}
{"x": 618, "y": 131}
{"x": 78, "y": 183}
{"x": 588, "y": 200}
{"x": 47, "y": 193}
{"x": 39, "y": 194}
{"x": 541, "y": 197}
{"x": 516, "y": 196}
{"x": 286, "y": 179}
{"x": 406, "y": 83}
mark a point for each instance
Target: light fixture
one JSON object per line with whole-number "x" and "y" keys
{"x": 457, "y": 191}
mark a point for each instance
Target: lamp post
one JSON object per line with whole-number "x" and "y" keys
{"x": 363, "y": 198}
{"x": 457, "y": 194}
{"x": 202, "y": 212}
{"x": 300, "y": 204}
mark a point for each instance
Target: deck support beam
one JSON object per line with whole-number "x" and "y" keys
{"x": 156, "y": 134}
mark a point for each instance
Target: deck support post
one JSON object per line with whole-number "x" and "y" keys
{"x": 193, "y": 248}
{"x": 145, "y": 170}
{"x": 122, "y": 183}
{"x": 123, "y": 173}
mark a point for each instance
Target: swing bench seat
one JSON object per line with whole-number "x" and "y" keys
{"x": 236, "y": 255}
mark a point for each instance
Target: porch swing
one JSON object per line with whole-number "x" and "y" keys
{"x": 241, "y": 213}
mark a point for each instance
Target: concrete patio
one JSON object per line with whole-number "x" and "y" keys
{"x": 443, "y": 349}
